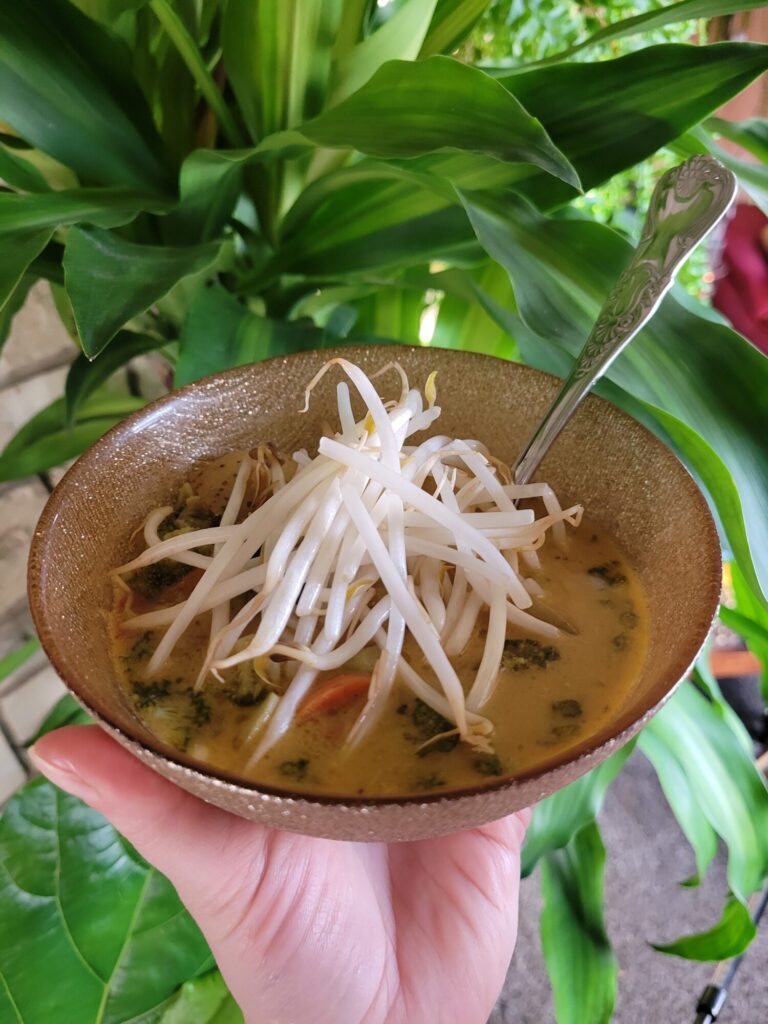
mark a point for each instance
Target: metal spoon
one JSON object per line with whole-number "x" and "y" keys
{"x": 686, "y": 204}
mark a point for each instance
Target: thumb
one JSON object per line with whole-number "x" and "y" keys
{"x": 199, "y": 847}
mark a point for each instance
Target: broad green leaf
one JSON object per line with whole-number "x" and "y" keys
{"x": 66, "y": 87}
{"x": 682, "y": 800}
{"x": 464, "y": 320}
{"x": 107, "y": 11}
{"x": 728, "y": 938}
{"x": 724, "y": 782}
{"x": 751, "y": 630}
{"x": 15, "y": 659}
{"x": 220, "y": 333}
{"x": 65, "y": 712}
{"x": 278, "y": 59}
{"x": 17, "y": 250}
{"x": 408, "y": 109}
{"x": 56, "y": 448}
{"x": 391, "y": 313}
{"x": 86, "y": 375}
{"x": 204, "y": 1000}
{"x": 45, "y": 440}
{"x": 107, "y": 207}
{"x": 13, "y": 304}
{"x": 715, "y": 475}
{"x": 190, "y": 53}
{"x": 110, "y": 930}
{"x": 748, "y": 606}
{"x": 558, "y": 818}
{"x": 451, "y": 22}
{"x": 399, "y": 38}
{"x": 753, "y": 177}
{"x": 751, "y": 134}
{"x": 577, "y": 953}
{"x": 621, "y": 111}
{"x": 109, "y": 280}
{"x": 20, "y": 173}
{"x": 685, "y": 10}
{"x": 692, "y": 366}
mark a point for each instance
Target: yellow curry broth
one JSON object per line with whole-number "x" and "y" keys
{"x": 550, "y": 694}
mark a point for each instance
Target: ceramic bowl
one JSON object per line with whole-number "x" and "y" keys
{"x": 627, "y": 480}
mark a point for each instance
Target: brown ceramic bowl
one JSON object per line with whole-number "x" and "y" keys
{"x": 623, "y": 475}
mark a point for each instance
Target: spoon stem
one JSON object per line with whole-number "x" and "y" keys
{"x": 686, "y": 204}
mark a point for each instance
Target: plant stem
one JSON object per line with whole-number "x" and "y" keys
{"x": 190, "y": 54}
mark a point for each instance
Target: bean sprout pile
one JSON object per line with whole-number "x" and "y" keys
{"x": 374, "y": 538}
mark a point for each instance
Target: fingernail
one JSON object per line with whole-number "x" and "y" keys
{"x": 63, "y": 774}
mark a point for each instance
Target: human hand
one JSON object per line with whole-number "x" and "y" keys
{"x": 309, "y": 931}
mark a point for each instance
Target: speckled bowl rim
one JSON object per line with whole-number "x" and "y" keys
{"x": 618, "y": 731}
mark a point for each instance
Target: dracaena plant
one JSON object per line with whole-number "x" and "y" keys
{"x": 219, "y": 181}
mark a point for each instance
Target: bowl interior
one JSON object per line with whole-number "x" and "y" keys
{"x": 626, "y": 479}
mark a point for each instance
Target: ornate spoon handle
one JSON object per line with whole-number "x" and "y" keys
{"x": 686, "y": 204}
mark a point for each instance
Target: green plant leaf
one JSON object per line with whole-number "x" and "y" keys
{"x": 750, "y": 629}
{"x": 12, "y": 305}
{"x": 408, "y": 109}
{"x": 109, "y": 280}
{"x": 451, "y": 22}
{"x": 723, "y": 779}
{"x": 558, "y": 818}
{"x": 749, "y": 607}
{"x": 399, "y": 38}
{"x": 86, "y": 375}
{"x": 621, "y": 111}
{"x": 190, "y": 53}
{"x": 682, "y": 800}
{"x": 15, "y": 659}
{"x": 685, "y": 10}
{"x": 278, "y": 59}
{"x": 692, "y": 366}
{"x": 753, "y": 177}
{"x": 17, "y": 250}
{"x": 108, "y": 927}
{"x": 577, "y": 953}
{"x": 66, "y": 87}
{"x": 203, "y": 1000}
{"x": 46, "y": 440}
{"x": 107, "y": 207}
{"x": 20, "y": 173}
{"x": 751, "y": 134}
{"x": 729, "y": 937}
{"x": 65, "y": 712}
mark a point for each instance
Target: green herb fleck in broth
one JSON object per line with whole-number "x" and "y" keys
{"x": 148, "y": 695}
{"x": 152, "y": 580}
{"x": 295, "y": 769}
{"x": 488, "y": 764}
{"x": 522, "y": 654}
{"x": 567, "y": 708}
{"x": 609, "y": 572}
{"x": 429, "y": 723}
{"x": 432, "y": 781}
{"x": 200, "y": 710}
{"x": 629, "y": 619}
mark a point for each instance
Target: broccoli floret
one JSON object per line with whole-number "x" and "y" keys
{"x": 200, "y": 712}
{"x": 246, "y": 690}
{"x": 432, "y": 781}
{"x": 148, "y": 695}
{"x": 488, "y": 764}
{"x": 295, "y": 769}
{"x": 567, "y": 708}
{"x": 522, "y": 654}
{"x": 428, "y": 723}
{"x": 609, "y": 572}
{"x": 151, "y": 580}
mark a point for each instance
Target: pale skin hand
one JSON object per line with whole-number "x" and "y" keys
{"x": 311, "y": 931}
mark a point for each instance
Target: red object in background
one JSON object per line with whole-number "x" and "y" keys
{"x": 741, "y": 292}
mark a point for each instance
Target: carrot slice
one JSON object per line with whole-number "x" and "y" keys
{"x": 334, "y": 694}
